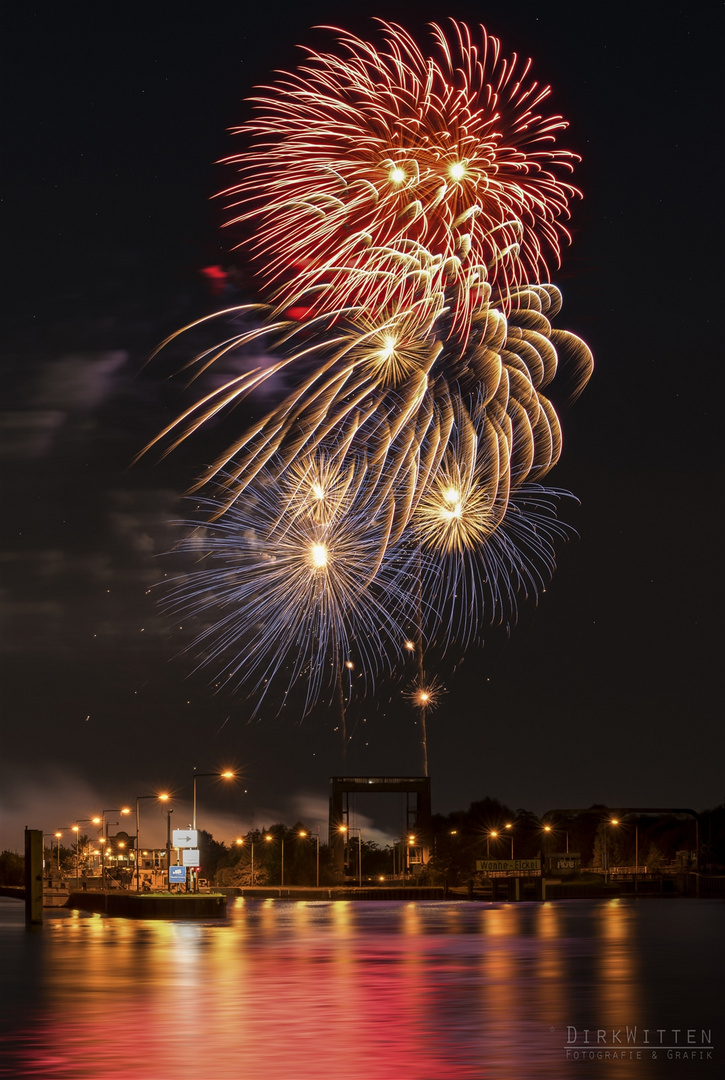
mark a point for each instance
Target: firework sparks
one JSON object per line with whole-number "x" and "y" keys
{"x": 410, "y": 204}
{"x": 387, "y": 148}
{"x": 289, "y": 594}
{"x": 425, "y": 693}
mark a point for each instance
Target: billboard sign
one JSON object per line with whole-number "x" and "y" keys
{"x": 508, "y": 866}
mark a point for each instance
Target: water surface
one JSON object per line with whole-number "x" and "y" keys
{"x": 369, "y": 991}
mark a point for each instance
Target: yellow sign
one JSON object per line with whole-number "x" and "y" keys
{"x": 508, "y": 866}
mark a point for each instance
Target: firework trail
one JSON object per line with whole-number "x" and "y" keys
{"x": 409, "y": 204}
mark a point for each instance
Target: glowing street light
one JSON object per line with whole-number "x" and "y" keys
{"x": 303, "y": 833}
{"x": 161, "y": 798}
{"x": 493, "y": 833}
{"x": 408, "y": 846}
{"x": 269, "y": 838}
{"x": 239, "y": 842}
{"x": 104, "y": 836}
{"x": 77, "y": 830}
{"x": 509, "y": 825}
{"x": 616, "y": 821}
{"x": 551, "y": 829}
{"x": 344, "y": 829}
{"x": 226, "y": 775}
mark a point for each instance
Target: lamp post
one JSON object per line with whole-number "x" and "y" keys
{"x": 269, "y": 838}
{"x": 408, "y": 846}
{"x": 612, "y": 821}
{"x": 169, "y": 812}
{"x": 161, "y": 798}
{"x": 226, "y": 775}
{"x": 240, "y": 843}
{"x": 303, "y": 833}
{"x": 59, "y": 833}
{"x": 76, "y": 829}
{"x": 550, "y": 829}
{"x": 104, "y": 836}
{"x": 345, "y": 829}
{"x": 509, "y": 825}
{"x": 616, "y": 821}
{"x": 104, "y": 848}
{"x": 493, "y": 833}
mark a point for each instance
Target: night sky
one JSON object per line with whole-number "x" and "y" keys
{"x": 607, "y": 691}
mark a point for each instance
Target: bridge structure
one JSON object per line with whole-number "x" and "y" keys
{"x": 417, "y": 812}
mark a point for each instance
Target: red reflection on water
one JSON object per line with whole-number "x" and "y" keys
{"x": 321, "y": 991}
{"x": 279, "y": 993}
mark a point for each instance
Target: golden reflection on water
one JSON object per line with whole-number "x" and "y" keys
{"x": 549, "y": 968}
{"x": 326, "y": 990}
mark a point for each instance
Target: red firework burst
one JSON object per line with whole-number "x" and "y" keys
{"x": 383, "y": 159}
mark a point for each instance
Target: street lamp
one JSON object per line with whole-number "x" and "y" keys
{"x": 76, "y": 829}
{"x": 104, "y": 836}
{"x": 169, "y": 812}
{"x": 550, "y": 829}
{"x": 509, "y": 825}
{"x": 226, "y": 775}
{"x": 269, "y": 837}
{"x": 616, "y": 821}
{"x": 161, "y": 798}
{"x": 345, "y": 829}
{"x": 493, "y": 833}
{"x": 408, "y": 846}
{"x": 240, "y": 842}
{"x": 303, "y": 834}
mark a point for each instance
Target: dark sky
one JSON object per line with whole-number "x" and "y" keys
{"x": 608, "y": 690}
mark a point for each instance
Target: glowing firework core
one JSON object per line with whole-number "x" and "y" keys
{"x": 318, "y": 556}
{"x": 454, "y": 508}
{"x": 388, "y": 349}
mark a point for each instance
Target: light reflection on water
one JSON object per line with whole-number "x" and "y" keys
{"x": 370, "y": 991}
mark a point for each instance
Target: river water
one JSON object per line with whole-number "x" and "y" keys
{"x": 369, "y": 991}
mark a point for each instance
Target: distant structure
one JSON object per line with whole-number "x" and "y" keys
{"x": 417, "y": 813}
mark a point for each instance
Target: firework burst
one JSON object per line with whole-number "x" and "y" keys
{"x": 425, "y": 693}
{"x": 387, "y": 148}
{"x": 409, "y": 203}
{"x": 292, "y": 580}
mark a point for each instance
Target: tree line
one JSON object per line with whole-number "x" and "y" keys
{"x": 457, "y": 841}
